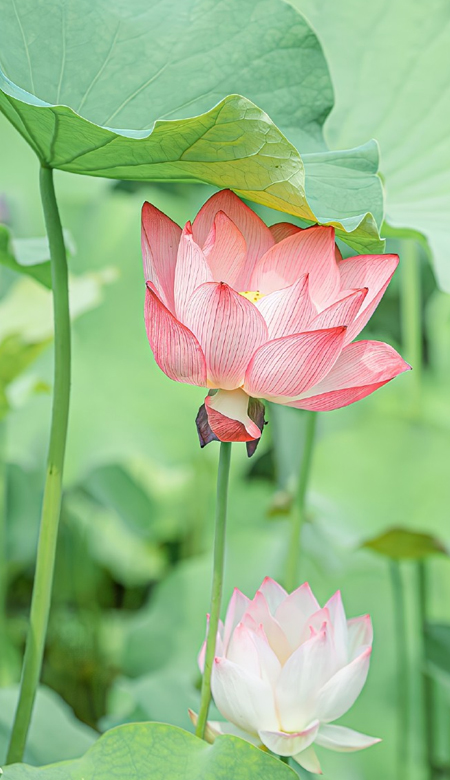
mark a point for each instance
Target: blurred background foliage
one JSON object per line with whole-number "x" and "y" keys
{"x": 134, "y": 565}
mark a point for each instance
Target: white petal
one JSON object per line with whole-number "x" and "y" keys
{"x": 236, "y": 608}
{"x": 273, "y": 593}
{"x": 258, "y": 614}
{"x": 343, "y": 740}
{"x": 340, "y": 693}
{"x": 245, "y": 700}
{"x": 360, "y": 635}
{"x": 294, "y": 611}
{"x": 309, "y": 761}
{"x": 288, "y": 744}
{"x": 339, "y": 622}
{"x": 242, "y": 650}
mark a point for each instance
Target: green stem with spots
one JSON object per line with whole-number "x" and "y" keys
{"x": 298, "y": 514}
{"x": 217, "y": 584}
{"x": 42, "y": 588}
{"x": 398, "y": 595}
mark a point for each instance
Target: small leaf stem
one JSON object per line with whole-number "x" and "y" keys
{"x": 411, "y": 316}
{"x": 427, "y": 683}
{"x": 398, "y": 596}
{"x": 298, "y": 514}
{"x": 217, "y": 584}
{"x": 42, "y": 588}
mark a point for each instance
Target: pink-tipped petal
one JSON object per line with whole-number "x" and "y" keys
{"x": 228, "y": 418}
{"x": 362, "y": 367}
{"x": 273, "y": 593}
{"x": 159, "y": 240}
{"x": 242, "y": 650}
{"x": 289, "y": 366}
{"x": 245, "y": 700}
{"x": 229, "y": 328}
{"x": 360, "y": 635}
{"x": 175, "y": 348}
{"x": 258, "y": 614}
{"x": 339, "y": 621}
{"x": 284, "y": 744}
{"x": 225, "y": 250}
{"x": 282, "y": 230}
{"x": 257, "y": 235}
{"x": 191, "y": 271}
{"x": 341, "y": 692}
{"x": 269, "y": 663}
{"x": 294, "y": 612}
{"x": 289, "y": 311}
{"x": 310, "y": 251}
{"x": 371, "y": 271}
{"x": 343, "y": 312}
{"x": 303, "y": 675}
{"x": 343, "y": 740}
{"x": 309, "y": 761}
{"x": 236, "y": 608}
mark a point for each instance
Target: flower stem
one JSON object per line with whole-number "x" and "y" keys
{"x": 411, "y": 316}
{"x": 298, "y": 515}
{"x": 216, "y": 592}
{"x": 427, "y": 682}
{"x": 42, "y": 588}
{"x": 398, "y": 594}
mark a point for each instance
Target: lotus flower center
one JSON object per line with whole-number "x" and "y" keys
{"x": 252, "y": 295}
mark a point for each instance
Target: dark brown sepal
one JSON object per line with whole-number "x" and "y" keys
{"x": 256, "y": 413}
{"x": 204, "y": 431}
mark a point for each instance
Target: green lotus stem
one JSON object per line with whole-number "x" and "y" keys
{"x": 217, "y": 584}
{"x": 427, "y": 682}
{"x": 3, "y": 577}
{"x": 298, "y": 515}
{"x": 40, "y": 603}
{"x": 398, "y": 596}
{"x": 411, "y": 316}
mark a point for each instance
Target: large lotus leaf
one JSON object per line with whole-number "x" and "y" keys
{"x": 390, "y": 69}
{"x": 73, "y": 71}
{"x": 156, "y": 751}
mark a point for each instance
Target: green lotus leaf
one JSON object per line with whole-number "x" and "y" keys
{"x": 156, "y": 751}
{"x": 390, "y": 67}
{"x": 75, "y": 74}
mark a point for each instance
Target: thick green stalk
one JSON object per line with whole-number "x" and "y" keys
{"x": 411, "y": 316}
{"x": 298, "y": 514}
{"x": 216, "y": 592}
{"x": 427, "y": 682}
{"x": 42, "y": 589}
{"x": 398, "y": 595}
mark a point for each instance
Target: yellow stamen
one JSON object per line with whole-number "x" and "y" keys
{"x": 252, "y": 295}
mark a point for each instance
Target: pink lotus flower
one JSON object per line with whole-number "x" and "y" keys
{"x": 285, "y": 668}
{"x": 261, "y": 313}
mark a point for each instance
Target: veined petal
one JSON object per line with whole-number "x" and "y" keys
{"x": 228, "y": 417}
{"x": 343, "y": 740}
{"x": 342, "y": 690}
{"x": 282, "y": 230}
{"x": 245, "y": 700}
{"x": 258, "y": 614}
{"x": 236, "y": 608}
{"x": 284, "y": 744}
{"x": 191, "y": 271}
{"x": 273, "y": 593}
{"x": 229, "y": 328}
{"x": 309, "y": 761}
{"x": 362, "y": 367}
{"x": 159, "y": 240}
{"x": 257, "y": 235}
{"x": 175, "y": 348}
{"x": 286, "y": 367}
{"x": 309, "y": 251}
{"x": 225, "y": 250}
{"x": 343, "y": 312}
{"x": 360, "y": 635}
{"x": 294, "y": 612}
{"x": 371, "y": 271}
{"x": 339, "y": 621}
{"x": 301, "y": 678}
{"x": 289, "y": 311}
